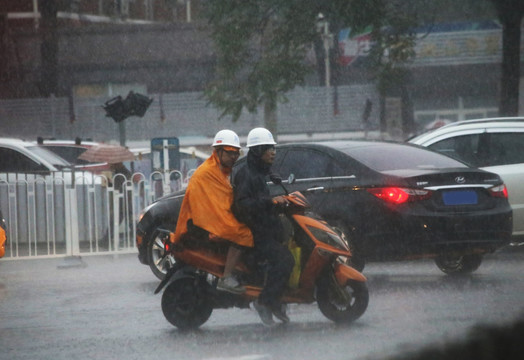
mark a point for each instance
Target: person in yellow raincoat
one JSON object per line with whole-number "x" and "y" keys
{"x": 207, "y": 203}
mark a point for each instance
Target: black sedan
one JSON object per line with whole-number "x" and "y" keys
{"x": 390, "y": 200}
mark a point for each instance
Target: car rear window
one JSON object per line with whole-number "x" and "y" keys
{"x": 385, "y": 157}
{"x": 69, "y": 153}
{"x": 49, "y": 156}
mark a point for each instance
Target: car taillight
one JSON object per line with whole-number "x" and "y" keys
{"x": 397, "y": 195}
{"x": 500, "y": 191}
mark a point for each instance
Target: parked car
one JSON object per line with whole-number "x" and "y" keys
{"x": 494, "y": 144}
{"x": 70, "y": 150}
{"x": 18, "y": 156}
{"x": 3, "y": 235}
{"x": 35, "y": 180}
{"x": 25, "y": 161}
{"x": 390, "y": 201}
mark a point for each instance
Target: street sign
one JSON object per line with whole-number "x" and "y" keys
{"x": 165, "y": 154}
{"x": 165, "y": 158}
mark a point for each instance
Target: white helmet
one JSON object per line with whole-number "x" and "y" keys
{"x": 226, "y": 138}
{"x": 260, "y": 136}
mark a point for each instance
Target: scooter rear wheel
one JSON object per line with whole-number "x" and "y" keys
{"x": 342, "y": 304}
{"x": 184, "y": 305}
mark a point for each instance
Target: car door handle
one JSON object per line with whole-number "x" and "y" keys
{"x": 316, "y": 188}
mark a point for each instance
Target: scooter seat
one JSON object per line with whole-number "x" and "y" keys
{"x": 197, "y": 238}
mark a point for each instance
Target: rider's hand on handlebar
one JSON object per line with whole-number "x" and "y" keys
{"x": 280, "y": 200}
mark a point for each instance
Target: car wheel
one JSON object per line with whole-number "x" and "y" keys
{"x": 458, "y": 264}
{"x": 357, "y": 260}
{"x": 160, "y": 260}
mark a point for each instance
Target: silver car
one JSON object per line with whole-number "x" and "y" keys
{"x": 493, "y": 144}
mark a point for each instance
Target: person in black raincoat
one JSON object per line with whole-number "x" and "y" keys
{"x": 254, "y": 206}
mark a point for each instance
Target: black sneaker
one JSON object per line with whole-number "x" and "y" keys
{"x": 265, "y": 314}
{"x": 280, "y": 313}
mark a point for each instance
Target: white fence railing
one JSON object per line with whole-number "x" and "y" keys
{"x": 50, "y": 217}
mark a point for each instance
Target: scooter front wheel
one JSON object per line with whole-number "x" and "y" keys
{"x": 342, "y": 304}
{"x": 184, "y": 305}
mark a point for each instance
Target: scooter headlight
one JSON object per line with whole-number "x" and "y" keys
{"x": 328, "y": 238}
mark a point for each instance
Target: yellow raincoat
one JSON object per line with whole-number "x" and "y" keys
{"x": 208, "y": 201}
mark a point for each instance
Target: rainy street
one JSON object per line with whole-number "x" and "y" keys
{"x": 106, "y": 309}
{"x": 398, "y": 123}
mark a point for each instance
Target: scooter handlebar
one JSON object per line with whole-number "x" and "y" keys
{"x": 297, "y": 199}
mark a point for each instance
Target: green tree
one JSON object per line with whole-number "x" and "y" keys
{"x": 510, "y": 13}
{"x": 261, "y": 45}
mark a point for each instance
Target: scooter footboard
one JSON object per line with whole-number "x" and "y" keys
{"x": 344, "y": 272}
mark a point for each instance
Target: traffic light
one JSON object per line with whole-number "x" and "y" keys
{"x": 115, "y": 109}
{"x": 133, "y": 105}
{"x": 137, "y": 103}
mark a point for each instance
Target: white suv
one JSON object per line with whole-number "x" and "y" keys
{"x": 22, "y": 160}
{"x": 494, "y": 144}
{"x": 18, "y": 156}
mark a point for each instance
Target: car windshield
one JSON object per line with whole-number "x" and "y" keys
{"x": 50, "y": 157}
{"x": 385, "y": 157}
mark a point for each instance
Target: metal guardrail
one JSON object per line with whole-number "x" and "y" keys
{"x": 47, "y": 217}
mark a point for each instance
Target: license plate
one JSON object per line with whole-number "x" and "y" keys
{"x": 467, "y": 197}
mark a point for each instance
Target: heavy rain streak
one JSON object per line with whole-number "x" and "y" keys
{"x": 106, "y": 309}
{"x": 261, "y": 180}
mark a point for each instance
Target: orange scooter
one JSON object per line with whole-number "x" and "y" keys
{"x": 321, "y": 272}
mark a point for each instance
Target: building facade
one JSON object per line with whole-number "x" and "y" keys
{"x": 108, "y": 47}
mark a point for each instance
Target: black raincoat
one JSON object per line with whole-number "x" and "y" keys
{"x": 254, "y": 206}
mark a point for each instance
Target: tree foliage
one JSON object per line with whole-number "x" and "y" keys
{"x": 261, "y": 45}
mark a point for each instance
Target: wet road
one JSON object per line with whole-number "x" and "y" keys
{"x": 107, "y": 310}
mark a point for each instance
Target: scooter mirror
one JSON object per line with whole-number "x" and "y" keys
{"x": 291, "y": 178}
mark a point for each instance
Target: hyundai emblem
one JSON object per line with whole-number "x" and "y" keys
{"x": 460, "y": 179}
